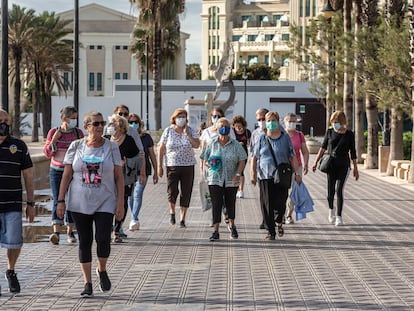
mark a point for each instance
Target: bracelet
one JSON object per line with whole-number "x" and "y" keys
{"x": 30, "y": 203}
{"x": 238, "y": 174}
{"x": 61, "y": 201}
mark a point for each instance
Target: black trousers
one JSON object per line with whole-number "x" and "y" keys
{"x": 274, "y": 203}
{"x": 336, "y": 182}
{"x": 223, "y": 195}
{"x": 103, "y": 228}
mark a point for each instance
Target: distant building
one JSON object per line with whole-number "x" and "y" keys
{"x": 258, "y": 30}
{"x": 104, "y": 36}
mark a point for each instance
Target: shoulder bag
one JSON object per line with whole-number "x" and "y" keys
{"x": 327, "y": 159}
{"x": 283, "y": 174}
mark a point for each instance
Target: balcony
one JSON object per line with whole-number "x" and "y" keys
{"x": 264, "y": 46}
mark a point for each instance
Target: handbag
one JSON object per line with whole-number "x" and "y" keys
{"x": 327, "y": 159}
{"x": 283, "y": 174}
{"x": 131, "y": 170}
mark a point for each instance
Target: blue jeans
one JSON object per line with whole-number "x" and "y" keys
{"x": 135, "y": 201}
{"x": 11, "y": 230}
{"x": 55, "y": 179}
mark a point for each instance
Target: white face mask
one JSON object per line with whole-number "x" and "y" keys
{"x": 72, "y": 123}
{"x": 291, "y": 125}
{"x": 180, "y": 121}
{"x": 110, "y": 130}
{"x": 261, "y": 125}
{"x": 214, "y": 120}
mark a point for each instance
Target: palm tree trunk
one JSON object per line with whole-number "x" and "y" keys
{"x": 396, "y": 142}
{"x": 157, "y": 76}
{"x": 348, "y": 90}
{"x": 372, "y": 120}
{"x": 46, "y": 107}
{"x": 411, "y": 20}
{"x": 17, "y": 89}
{"x": 36, "y": 105}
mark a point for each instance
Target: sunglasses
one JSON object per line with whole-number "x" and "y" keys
{"x": 216, "y": 116}
{"x": 123, "y": 114}
{"x": 97, "y": 123}
{"x": 133, "y": 122}
{"x": 262, "y": 119}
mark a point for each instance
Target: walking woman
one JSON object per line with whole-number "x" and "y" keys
{"x": 57, "y": 143}
{"x": 92, "y": 188}
{"x": 264, "y": 168}
{"x": 177, "y": 145}
{"x": 340, "y": 143}
{"x": 225, "y": 159}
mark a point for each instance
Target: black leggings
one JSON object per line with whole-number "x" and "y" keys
{"x": 103, "y": 228}
{"x": 336, "y": 179}
{"x": 118, "y": 223}
{"x": 223, "y": 196}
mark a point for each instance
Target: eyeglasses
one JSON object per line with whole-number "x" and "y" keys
{"x": 262, "y": 119}
{"x": 123, "y": 114}
{"x": 97, "y": 123}
{"x": 133, "y": 122}
{"x": 216, "y": 116}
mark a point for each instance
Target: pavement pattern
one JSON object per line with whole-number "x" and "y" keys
{"x": 367, "y": 264}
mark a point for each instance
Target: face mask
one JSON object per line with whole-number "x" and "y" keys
{"x": 224, "y": 130}
{"x": 180, "y": 121}
{"x": 337, "y": 126}
{"x": 4, "y": 129}
{"x": 72, "y": 123}
{"x": 134, "y": 125}
{"x": 110, "y": 130}
{"x": 272, "y": 125}
{"x": 261, "y": 125}
{"x": 291, "y": 125}
{"x": 214, "y": 120}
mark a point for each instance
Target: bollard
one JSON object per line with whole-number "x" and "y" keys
{"x": 311, "y": 131}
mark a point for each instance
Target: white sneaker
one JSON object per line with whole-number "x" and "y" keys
{"x": 134, "y": 225}
{"x": 331, "y": 217}
{"x": 289, "y": 220}
{"x": 338, "y": 221}
{"x": 240, "y": 194}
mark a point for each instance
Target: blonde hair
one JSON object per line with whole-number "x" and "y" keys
{"x": 176, "y": 113}
{"x": 338, "y": 116}
{"x": 222, "y": 121}
{"x": 122, "y": 122}
{"x": 272, "y": 114}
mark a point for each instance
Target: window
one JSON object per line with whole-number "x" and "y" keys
{"x": 251, "y": 38}
{"x": 269, "y": 37}
{"x": 246, "y": 18}
{"x": 214, "y": 43}
{"x": 117, "y": 47}
{"x": 276, "y": 18}
{"x": 92, "y": 47}
{"x": 236, "y": 38}
{"x": 117, "y": 76}
{"x": 285, "y": 37}
{"x": 307, "y": 8}
{"x": 91, "y": 81}
{"x": 99, "y": 81}
{"x": 125, "y": 76}
{"x": 66, "y": 80}
{"x": 125, "y": 47}
{"x": 213, "y": 19}
{"x": 99, "y": 47}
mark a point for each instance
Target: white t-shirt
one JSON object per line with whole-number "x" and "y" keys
{"x": 93, "y": 187}
{"x": 207, "y": 135}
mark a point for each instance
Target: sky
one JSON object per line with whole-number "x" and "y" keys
{"x": 190, "y": 21}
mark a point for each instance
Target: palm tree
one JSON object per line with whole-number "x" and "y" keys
{"x": 160, "y": 21}
{"x": 20, "y": 38}
{"x": 411, "y": 21}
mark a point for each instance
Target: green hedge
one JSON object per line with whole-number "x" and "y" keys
{"x": 407, "y": 137}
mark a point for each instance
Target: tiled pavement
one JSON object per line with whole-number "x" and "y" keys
{"x": 368, "y": 264}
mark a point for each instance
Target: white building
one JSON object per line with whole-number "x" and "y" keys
{"x": 258, "y": 30}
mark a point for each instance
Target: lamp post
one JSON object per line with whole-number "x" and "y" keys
{"x": 76, "y": 60}
{"x": 245, "y": 89}
{"x": 4, "y": 56}
{"x": 147, "y": 79}
{"x": 141, "y": 87}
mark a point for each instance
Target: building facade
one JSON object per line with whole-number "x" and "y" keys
{"x": 259, "y": 32}
{"x": 104, "y": 56}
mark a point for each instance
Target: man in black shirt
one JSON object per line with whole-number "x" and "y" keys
{"x": 14, "y": 160}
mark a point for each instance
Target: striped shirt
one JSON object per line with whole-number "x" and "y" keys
{"x": 14, "y": 158}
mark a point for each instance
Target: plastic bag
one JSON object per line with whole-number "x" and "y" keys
{"x": 205, "y": 198}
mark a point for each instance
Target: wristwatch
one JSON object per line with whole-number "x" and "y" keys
{"x": 238, "y": 174}
{"x": 30, "y": 203}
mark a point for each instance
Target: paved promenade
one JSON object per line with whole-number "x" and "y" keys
{"x": 368, "y": 264}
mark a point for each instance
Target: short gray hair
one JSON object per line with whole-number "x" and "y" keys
{"x": 67, "y": 111}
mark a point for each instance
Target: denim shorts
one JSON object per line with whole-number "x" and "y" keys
{"x": 11, "y": 234}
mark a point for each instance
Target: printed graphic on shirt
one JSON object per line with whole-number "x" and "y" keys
{"x": 91, "y": 171}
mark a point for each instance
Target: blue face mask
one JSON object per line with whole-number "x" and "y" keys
{"x": 336, "y": 126}
{"x": 272, "y": 125}
{"x": 133, "y": 125}
{"x": 224, "y": 130}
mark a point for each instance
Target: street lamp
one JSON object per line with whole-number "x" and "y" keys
{"x": 245, "y": 89}
{"x": 76, "y": 60}
{"x": 147, "y": 79}
{"x": 4, "y": 56}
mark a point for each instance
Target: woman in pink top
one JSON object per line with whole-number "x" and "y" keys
{"x": 57, "y": 143}
{"x": 299, "y": 145}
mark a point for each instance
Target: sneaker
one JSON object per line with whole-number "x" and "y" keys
{"x": 331, "y": 217}
{"x": 71, "y": 238}
{"x": 172, "y": 219}
{"x": 270, "y": 237}
{"x": 87, "y": 291}
{"x": 14, "y": 285}
{"x": 117, "y": 238}
{"x": 226, "y": 219}
{"x": 105, "y": 283}
{"x": 122, "y": 234}
{"x": 54, "y": 238}
{"x": 134, "y": 225}
{"x": 262, "y": 226}
{"x": 289, "y": 220}
{"x": 215, "y": 236}
{"x": 233, "y": 233}
{"x": 280, "y": 231}
{"x": 182, "y": 224}
{"x": 338, "y": 221}
{"x": 240, "y": 194}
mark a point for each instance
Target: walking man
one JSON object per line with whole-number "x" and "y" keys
{"x": 14, "y": 160}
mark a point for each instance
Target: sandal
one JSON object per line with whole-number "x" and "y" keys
{"x": 280, "y": 231}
